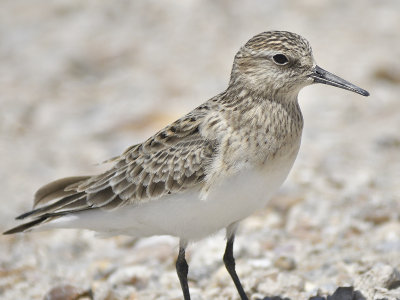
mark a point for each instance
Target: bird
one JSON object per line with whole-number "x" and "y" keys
{"x": 208, "y": 170}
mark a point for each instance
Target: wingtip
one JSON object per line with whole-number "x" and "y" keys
{"x": 11, "y": 231}
{"x": 25, "y": 226}
{"x": 23, "y": 216}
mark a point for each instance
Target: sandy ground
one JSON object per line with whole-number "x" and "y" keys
{"x": 82, "y": 80}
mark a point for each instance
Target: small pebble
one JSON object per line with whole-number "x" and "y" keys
{"x": 68, "y": 292}
{"x": 285, "y": 263}
{"x": 342, "y": 293}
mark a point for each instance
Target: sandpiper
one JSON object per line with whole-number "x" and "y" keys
{"x": 206, "y": 171}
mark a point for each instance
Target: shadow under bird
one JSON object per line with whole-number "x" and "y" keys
{"x": 206, "y": 171}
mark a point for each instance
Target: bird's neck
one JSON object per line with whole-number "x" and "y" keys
{"x": 278, "y": 115}
{"x": 242, "y": 99}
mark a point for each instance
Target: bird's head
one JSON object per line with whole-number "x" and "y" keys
{"x": 277, "y": 63}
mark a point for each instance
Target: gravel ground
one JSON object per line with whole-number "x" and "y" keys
{"x": 82, "y": 80}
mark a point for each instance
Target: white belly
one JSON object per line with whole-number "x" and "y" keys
{"x": 185, "y": 215}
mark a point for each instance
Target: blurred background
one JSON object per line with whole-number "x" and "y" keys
{"x": 80, "y": 81}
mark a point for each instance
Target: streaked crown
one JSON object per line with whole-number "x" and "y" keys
{"x": 277, "y": 41}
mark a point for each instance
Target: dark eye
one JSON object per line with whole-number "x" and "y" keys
{"x": 280, "y": 59}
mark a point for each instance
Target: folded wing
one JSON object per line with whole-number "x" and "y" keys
{"x": 173, "y": 160}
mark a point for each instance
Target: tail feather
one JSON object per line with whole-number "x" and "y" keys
{"x": 69, "y": 195}
{"x": 57, "y": 189}
{"x": 42, "y": 219}
{"x": 66, "y": 201}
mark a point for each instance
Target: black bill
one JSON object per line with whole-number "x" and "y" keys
{"x": 321, "y": 76}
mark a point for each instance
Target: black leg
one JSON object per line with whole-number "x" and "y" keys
{"x": 229, "y": 261}
{"x": 182, "y": 270}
